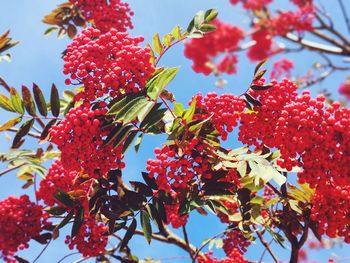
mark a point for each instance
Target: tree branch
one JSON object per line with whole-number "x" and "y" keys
{"x": 265, "y": 244}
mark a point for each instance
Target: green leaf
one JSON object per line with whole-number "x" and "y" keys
{"x": 157, "y": 44}
{"x": 178, "y": 109}
{"x": 55, "y": 101}
{"x": 39, "y": 100}
{"x": 259, "y": 87}
{"x": 206, "y": 28}
{"x": 146, "y": 225}
{"x": 129, "y": 140}
{"x": 151, "y": 182}
{"x": 66, "y": 220}
{"x": 45, "y": 132}
{"x": 259, "y": 66}
{"x": 142, "y": 188}
{"x": 16, "y": 101}
{"x": 168, "y": 39}
{"x": 122, "y": 135}
{"x": 131, "y": 104}
{"x": 252, "y": 100}
{"x": 135, "y": 110}
{"x": 56, "y": 210}
{"x": 176, "y": 32}
{"x": 28, "y": 101}
{"x": 78, "y": 221}
{"x": 190, "y": 112}
{"x": 64, "y": 198}
{"x": 157, "y": 84}
{"x": 9, "y": 124}
{"x": 23, "y": 131}
{"x": 50, "y": 30}
{"x": 210, "y": 15}
{"x": 154, "y": 116}
{"x": 6, "y": 104}
{"x": 117, "y": 106}
{"x": 199, "y": 19}
{"x": 128, "y": 235}
{"x": 138, "y": 142}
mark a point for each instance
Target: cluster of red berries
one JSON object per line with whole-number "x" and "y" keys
{"x": 173, "y": 217}
{"x": 344, "y": 89}
{"x": 110, "y": 63}
{"x": 263, "y": 47}
{"x": 301, "y": 3}
{"x": 333, "y": 222}
{"x": 20, "y": 221}
{"x": 59, "y": 178}
{"x": 106, "y": 14}
{"x": 231, "y": 207}
{"x": 224, "y": 111}
{"x": 235, "y": 256}
{"x": 235, "y": 240}
{"x": 287, "y": 21}
{"x": 252, "y": 4}
{"x": 281, "y": 69}
{"x": 80, "y": 138}
{"x": 174, "y": 169}
{"x": 91, "y": 239}
{"x": 222, "y": 42}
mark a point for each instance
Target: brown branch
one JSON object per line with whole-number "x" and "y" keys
{"x": 345, "y": 14}
{"x": 265, "y": 244}
{"x": 11, "y": 169}
{"x": 314, "y": 46}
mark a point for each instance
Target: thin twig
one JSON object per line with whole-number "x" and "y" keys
{"x": 345, "y": 14}
{"x": 42, "y": 251}
{"x": 66, "y": 256}
{"x": 265, "y": 244}
{"x": 11, "y": 169}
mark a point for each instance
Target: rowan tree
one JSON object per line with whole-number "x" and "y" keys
{"x": 289, "y": 180}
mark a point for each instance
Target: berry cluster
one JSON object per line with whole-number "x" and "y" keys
{"x": 333, "y": 222}
{"x": 252, "y": 4}
{"x": 110, "y": 63}
{"x": 301, "y": 3}
{"x": 59, "y": 178}
{"x": 173, "y": 217}
{"x": 287, "y": 21}
{"x": 223, "y": 109}
{"x": 91, "y": 239}
{"x": 235, "y": 240}
{"x": 263, "y": 47}
{"x": 222, "y": 42}
{"x": 175, "y": 169}
{"x": 20, "y": 221}
{"x": 281, "y": 69}
{"x": 80, "y": 138}
{"x": 106, "y": 14}
{"x": 235, "y": 256}
{"x": 344, "y": 89}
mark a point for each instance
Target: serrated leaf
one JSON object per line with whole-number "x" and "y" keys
{"x": 168, "y": 39}
{"x": 129, "y": 140}
{"x": 128, "y": 235}
{"x": 45, "y": 132}
{"x": 138, "y": 142}
{"x": 5, "y": 103}
{"x": 22, "y": 131}
{"x": 252, "y": 100}
{"x": 190, "y": 112}
{"x": 178, "y": 109}
{"x": 55, "y": 101}
{"x": 157, "y": 44}
{"x": 259, "y": 87}
{"x": 206, "y": 28}
{"x": 151, "y": 182}
{"x": 16, "y": 101}
{"x": 122, "y": 135}
{"x": 66, "y": 220}
{"x": 176, "y": 32}
{"x": 9, "y": 124}
{"x": 135, "y": 110}
{"x": 146, "y": 225}
{"x": 129, "y": 106}
{"x": 56, "y": 210}
{"x": 28, "y": 101}
{"x": 157, "y": 84}
{"x": 63, "y": 198}
{"x": 39, "y": 100}
{"x": 78, "y": 221}
{"x": 210, "y": 15}
{"x": 259, "y": 66}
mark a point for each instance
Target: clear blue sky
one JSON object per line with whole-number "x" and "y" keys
{"x": 37, "y": 59}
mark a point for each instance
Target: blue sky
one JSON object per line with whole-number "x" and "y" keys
{"x": 37, "y": 59}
